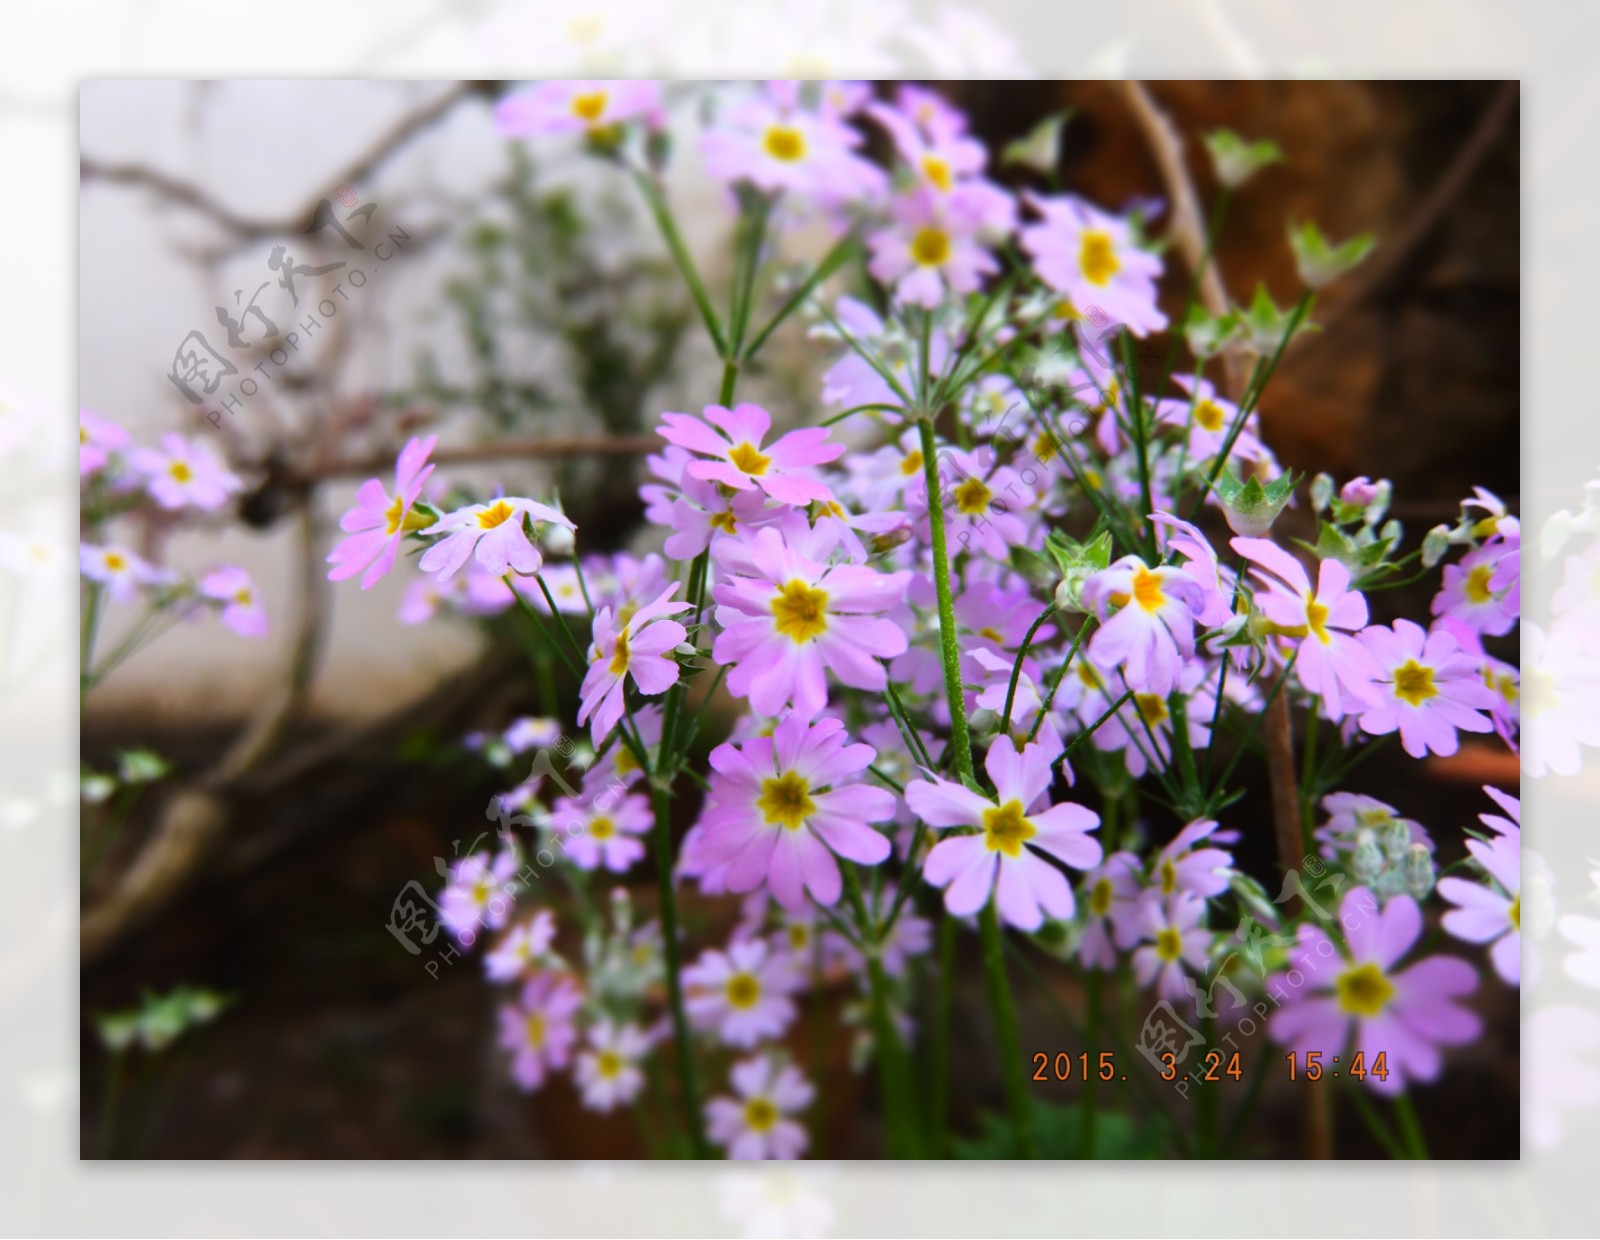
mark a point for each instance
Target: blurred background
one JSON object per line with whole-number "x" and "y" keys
{"x": 526, "y": 312}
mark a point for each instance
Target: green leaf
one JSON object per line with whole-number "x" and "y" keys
{"x": 1236, "y": 160}
{"x": 1209, "y": 334}
{"x": 1319, "y": 262}
{"x": 1041, "y": 149}
{"x": 1265, "y": 325}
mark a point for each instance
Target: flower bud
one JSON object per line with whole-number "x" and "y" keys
{"x": 1321, "y": 492}
{"x": 1366, "y": 862}
{"x": 1434, "y": 545}
{"x": 1419, "y": 871}
{"x": 1359, "y": 492}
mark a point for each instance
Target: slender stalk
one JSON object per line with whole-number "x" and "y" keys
{"x": 1016, "y": 668}
{"x": 1410, "y": 1128}
{"x": 661, "y": 802}
{"x": 893, "y": 1068}
{"x": 1005, "y": 1019}
{"x": 944, "y": 1011}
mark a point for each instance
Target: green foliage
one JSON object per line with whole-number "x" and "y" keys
{"x": 1235, "y": 160}
{"x": 1059, "y": 1133}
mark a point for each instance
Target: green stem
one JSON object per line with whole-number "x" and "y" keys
{"x": 680, "y": 255}
{"x": 661, "y": 802}
{"x": 893, "y": 1068}
{"x": 944, "y": 1012}
{"x": 1005, "y": 1019}
{"x": 1016, "y": 668}
{"x": 1410, "y": 1128}
{"x": 1091, "y": 1084}
{"x": 949, "y": 650}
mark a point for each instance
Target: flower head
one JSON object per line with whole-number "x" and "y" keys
{"x": 640, "y": 649}
{"x": 185, "y": 474}
{"x": 524, "y": 946}
{"x": 495, "y": 534}
{"x": 378, "y": 523}
{"x": 1151, "y": 631}
{"x": 782, "y": 806}
{"x": 99, "y": 439}
{"x": 740, "y": 459}
{"x": 608, "y": 1070}
{"x": 1095, "y": 259}
{"x": 241, "y": 608}
{"x": 998, "y": 856}
{"x": 1360, "y": 1000}
{"x": 595, "y": 108}
{"x": 743, "y": 993}
{"x": 538, "y": 1029}
{"x": 755, "y": 1122}
{"x": 1427, "y": 688}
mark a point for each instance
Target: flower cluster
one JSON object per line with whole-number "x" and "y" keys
{"x": 989, "y": 645}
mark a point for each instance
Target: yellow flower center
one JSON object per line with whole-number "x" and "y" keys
{"x": 931, "y": 246}
{"x": 83, "y": 436}
{"x": 1515, "y": 914}
{"x": 626, "y": 762}
{"x": 912, "y": 463}
{"x": 180, "y": 471}
{"x": 972, "y": 497}
{"x": 1097, "y": 258}
{"x": 1208, "y": 416}
{"x": 589, "y": 106}
{"x": 496, "y": 514}
{"x": 747, "y": 460}
{"x": 602, "y": 828}
{"x": 760, "y": 1115}
{"x": 1005, "y": 829}
{"x": 801, "y": 612}
{"x": 1317, "y": 620}
{"x": 1364, "y": 990}
{"x": 535, "y": 1030}
{"x": 1147, "y": 589}
{"x": 786, "y": 143}
{"x": 937, "y": 170}
{"x": 243, "y": 597}
{"x": 1477, "y": 587}
{"x": 1169, "y": 877}
{"x": 397, "y": 518}
{"x": 1152, "y": 706}
{"x": 744, "y": 991}
{"x": 785, "y": 801}
{"x": 1100, "y": 897}
{"x": 799, "y": 936}
{"x": 1064, "y": 309}
{"x": 1169, "y": 944}
{"x": 619, "y": 656}
{"x": 1413, "y": 683}
{"x": 725, "y": 522}
{"x": 1044, "y": 447}
{"x": 993, "y": 635}
{"x": 608, "y": 1064}
{"x": 115, "y": 562}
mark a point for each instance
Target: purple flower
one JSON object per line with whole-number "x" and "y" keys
{"x": 1096, "y": 261}
{"x": 98, "y": 440}
{"x": 1323, "y": 619}
{"x": 481, "y": 892}
{"x": 742, "y": 993}
{"x": 241, "y": 607}
{"x": 1469, "y": 591}
{"x": 782, "y": 806}
{"x": 788, "y": 618}
{"x": 574, "y": 106}
{"x": 1427, "y": 688}
{"x": 182, "y": 474}
{"x": 1111, "y": 895}
{"x": 1358, "y": 1001}
{"x": 122, "y": 573}
{"x": 608, "y": 1071}
{"x": 524, "y": 946}
{"x": 538, "y": 1029}
{"x": 739, "y": 460}
{"x": 774, "y": 143}
{"x": 1183, "y": 866}
{"x": 999, "y": 859}
{"x": 641, "y": 649}
{"x": 378, "y": 524}
{"x": 1176, "y": 935}
{"x": 1152, "y": 631}
{"x": 595, "y": 833}
{"x": 755, "y": 1123}
{"x": 494, "y": 534}
{"x": 927, "y": 248}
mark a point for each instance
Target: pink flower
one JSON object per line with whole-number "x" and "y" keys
{"x": 641, "y": 649}
{"x": 122, "y": 573}
{"x": 378, "y": 524}
{"x": 1000, "y": 859}
{"x": 563, "y": 106}
{"x": 241, "y": 608}
{"x": 980, "y": 504}
{"x": 1096, "y": 261}
{"x": 1208, "y": 418}
{"x": 1176, "y": 936}
{"x": 1322, "y": 618}
{"x": 788, "y": 618}
{"x": 182, "y": 474}
{"x": 526, "y": 945}
{"x": 740, "y": 461}
{"x": 494, "y": 534}
{"x": 777, "y": 145}
{"x": 927, "y": 248}
{"x": 1152, "y": 631}
{"x": 98, "y": 440}
{"x": 1427, "y": 688}
{"x": 1491, "y": 912}
{"x": 697, "y": 510}
{"x": 1405, "y": 1015}
{"x": 782, "y": 806}
{"x": 538, "y": 1030}
{"x": 596, "y": 833}
{"x": 1200, "y": 562}
{"x": 481, "y": 892}
{"x": 949, "y": 164}
{"x": 1181, "y": 866}
{"x": 755, "y": 1122}
{"x": 1470, "y": 592}
{"x": 742, "y": 993}
{"x": 608, "y": 1071}
{"x": 1111, "y": 894}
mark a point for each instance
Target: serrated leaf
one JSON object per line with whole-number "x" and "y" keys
{"x": 1236, "y": 160}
